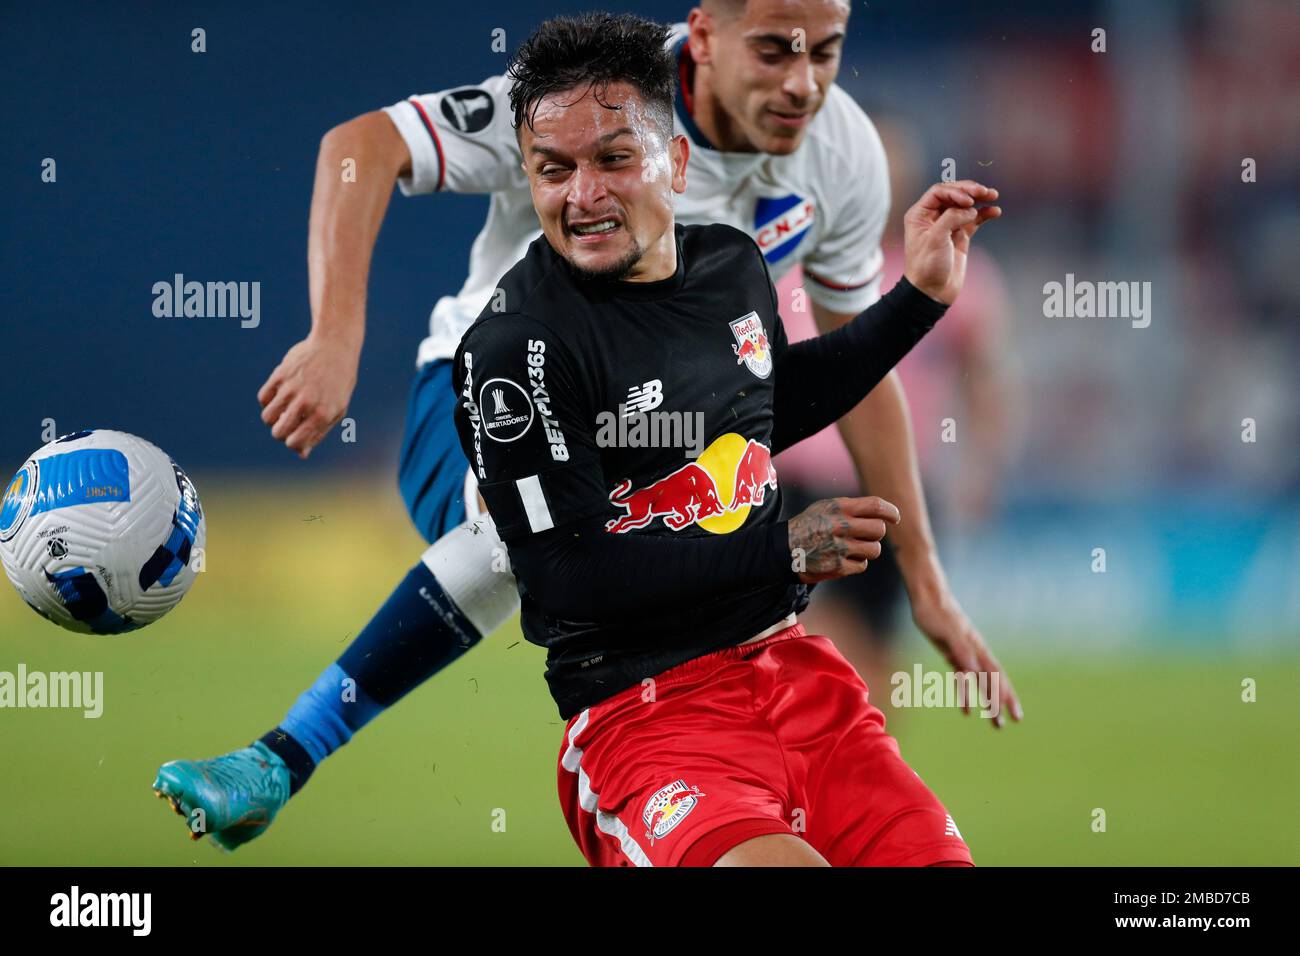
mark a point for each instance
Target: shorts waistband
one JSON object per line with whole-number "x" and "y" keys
{"x": 715, "y": 659}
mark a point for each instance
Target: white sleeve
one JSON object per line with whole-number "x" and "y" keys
{"x": 461, "y": 140}
{"x": 845, "y": 266}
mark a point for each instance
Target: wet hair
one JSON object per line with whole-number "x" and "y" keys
{"x": 592, "y": 51}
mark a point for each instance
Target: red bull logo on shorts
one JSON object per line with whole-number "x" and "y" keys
{"x": 751, "y": 345}
{"x": 715, "y": 491}
{"x": 669, "y": 807}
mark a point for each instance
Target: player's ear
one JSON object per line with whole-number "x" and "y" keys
{"x": 679, "y": 151}
{"x": 699, "y": 29}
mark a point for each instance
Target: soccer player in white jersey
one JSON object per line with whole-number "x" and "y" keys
{"x": 778, "y": 150}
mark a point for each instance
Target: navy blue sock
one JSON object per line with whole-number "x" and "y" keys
{"x": 417, "y": 633}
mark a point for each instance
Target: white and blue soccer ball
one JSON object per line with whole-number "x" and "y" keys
{"x": 101, "y": 532}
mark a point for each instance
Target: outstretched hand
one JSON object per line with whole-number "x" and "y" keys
{"x": 308, "y": 393}
{"x": 936, "y": 235}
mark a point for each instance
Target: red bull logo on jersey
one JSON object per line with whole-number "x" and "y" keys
{"x": 751, "y": 344}
{"x": 715, "y": 491}
{"x": 668, "y": 807}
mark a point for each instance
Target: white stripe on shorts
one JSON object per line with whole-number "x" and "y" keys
{"x": 607, "y": 823}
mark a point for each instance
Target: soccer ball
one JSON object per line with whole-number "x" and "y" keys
{"x": 97, "y": 532}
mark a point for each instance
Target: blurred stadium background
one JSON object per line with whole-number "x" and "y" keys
{"x": 1119, "y": 166}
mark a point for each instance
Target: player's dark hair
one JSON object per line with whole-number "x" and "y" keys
{"x": 592, "y": 51}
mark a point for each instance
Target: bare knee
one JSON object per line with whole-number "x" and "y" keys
{"x": 772, "y": 849}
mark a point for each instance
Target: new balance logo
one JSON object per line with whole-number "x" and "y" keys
{"x": 951, "y": 828}
{"x": 643, "y": 398}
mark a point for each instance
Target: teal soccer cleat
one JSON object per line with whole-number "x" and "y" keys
{"x": 233, "y": 797}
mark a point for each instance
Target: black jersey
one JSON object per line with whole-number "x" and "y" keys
{"x": 622, "y": 434}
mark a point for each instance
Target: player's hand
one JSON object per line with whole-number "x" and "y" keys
{"x": 941, "y": 619}
{"x": 937, "y": 233}
{"x": 838, "y": 536}
{"x": 308, "y": 392}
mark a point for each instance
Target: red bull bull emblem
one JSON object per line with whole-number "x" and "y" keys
{"x": 669, "y": 807}
{"x": 715, "y": 491}
{"x": 751, "y": 344}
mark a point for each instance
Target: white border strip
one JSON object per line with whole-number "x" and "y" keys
{"x": 607, "y": 823}
{"x": 530, "y": 493}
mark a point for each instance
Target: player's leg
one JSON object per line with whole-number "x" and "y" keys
{"x": 431, "y": 471}
{"x": 460, "y": 591}
{"x": 864, "y": 805}
{"x": 679, "y": 771}
{"x": 440, "y": 610}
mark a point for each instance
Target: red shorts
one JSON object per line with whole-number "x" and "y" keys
{"x": 771, "y": 737}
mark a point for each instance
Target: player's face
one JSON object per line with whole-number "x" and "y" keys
{"x": 773, "y": 66}
{"x": 603, "y": 180}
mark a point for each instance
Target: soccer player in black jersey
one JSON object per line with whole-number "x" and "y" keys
{"x": 704, "y": 726}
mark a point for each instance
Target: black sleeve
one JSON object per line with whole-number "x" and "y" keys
{"x": 584, "y": 573}
{"x": 526, "y": 429}
{"x": 523, "y": 423}
{"x": 820, "y": 379}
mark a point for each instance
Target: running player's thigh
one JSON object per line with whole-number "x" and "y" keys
{"x": 872, "y": 809}
{"x": 863, "y": 804}
{"x": 432, "y": 470}
{"x": 674, "y": 778}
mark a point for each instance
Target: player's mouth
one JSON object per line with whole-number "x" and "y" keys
{"x": 592, "y": 231}
{"x": 790, "y": 119}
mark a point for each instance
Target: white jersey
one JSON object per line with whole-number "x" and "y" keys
{"x": 823, "y": 207}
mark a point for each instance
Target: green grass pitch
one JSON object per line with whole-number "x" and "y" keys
{"x": 1186, "y": 772}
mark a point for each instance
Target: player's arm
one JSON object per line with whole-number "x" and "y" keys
{"x": 820, "y": 379}
{"x": 986, "y": 389}
{"x": 544, "y": 486}
{"x": 878, "y": 434}
{"x": 457, "y": 140}
{"x": 356, "y": 168}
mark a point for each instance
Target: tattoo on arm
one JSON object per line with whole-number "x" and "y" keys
{"x": 815, "y": 532}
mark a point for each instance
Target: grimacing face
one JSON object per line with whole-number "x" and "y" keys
{"x": 603, "y": 181}
{"x": 770, "y": 79}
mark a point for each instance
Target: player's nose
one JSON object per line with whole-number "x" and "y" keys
{"x": 586, "y": 189}
{"x": 800, "y": 80}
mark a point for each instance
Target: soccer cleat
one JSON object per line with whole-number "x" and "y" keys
{"x": 238, "y": 793}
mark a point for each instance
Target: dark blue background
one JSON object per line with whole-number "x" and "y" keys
{"x": 171, "y": 161}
